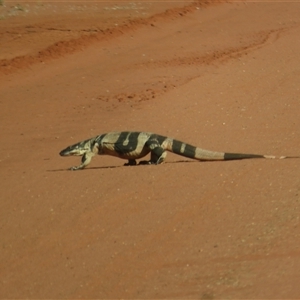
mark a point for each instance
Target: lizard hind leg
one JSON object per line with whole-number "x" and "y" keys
{"x": 158, "y": 155}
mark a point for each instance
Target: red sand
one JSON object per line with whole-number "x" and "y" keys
{"x": 223, "y": 77}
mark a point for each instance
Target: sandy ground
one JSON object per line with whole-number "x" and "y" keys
{"x": 223, "y": 77}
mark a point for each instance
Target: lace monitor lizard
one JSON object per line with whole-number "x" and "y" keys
{"x": 133, "y": 145}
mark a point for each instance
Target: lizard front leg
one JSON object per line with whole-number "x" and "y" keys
{"x": 85, "y": 160}
{"x": 131, "y": 162}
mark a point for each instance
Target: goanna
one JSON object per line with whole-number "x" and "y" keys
{"x": 131, "y": 145}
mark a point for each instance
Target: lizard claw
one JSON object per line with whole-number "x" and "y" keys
{"x": 73, "y": 168}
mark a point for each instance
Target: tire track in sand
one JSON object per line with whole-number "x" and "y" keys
{"x": 261, "y": 39}
{"x": 65, "y": 47}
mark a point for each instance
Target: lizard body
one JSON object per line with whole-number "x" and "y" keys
{"x": 132, "y": 145}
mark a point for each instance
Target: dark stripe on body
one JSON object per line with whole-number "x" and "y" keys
{"x": 232, "y": 156}
{"x": 99, "y": 138}
{"x": 130, "y": 139}
{"x": 156, "y": 137}
{"x": 189, "y": 150}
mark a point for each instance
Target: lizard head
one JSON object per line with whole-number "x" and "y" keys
{"x": 78, "y": 149}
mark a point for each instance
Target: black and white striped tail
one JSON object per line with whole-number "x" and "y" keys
{"x": 193, "y": 152}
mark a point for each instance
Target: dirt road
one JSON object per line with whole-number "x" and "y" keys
{"x": 222, "y": 76}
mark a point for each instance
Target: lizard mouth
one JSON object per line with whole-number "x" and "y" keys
{"x": 64, "y": 152}
{"x": 68, "y": 152}
{"x": 61, "y": 153}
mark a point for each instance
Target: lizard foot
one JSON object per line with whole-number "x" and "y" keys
{"x": 146, "y": 162}
{"x": 131, "y": 162}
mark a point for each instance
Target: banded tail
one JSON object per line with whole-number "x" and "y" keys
{"x": 193, "y": 152}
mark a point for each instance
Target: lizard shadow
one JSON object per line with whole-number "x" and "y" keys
{"x": 90, "y": 168}
{"x": 120, "y": 166}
